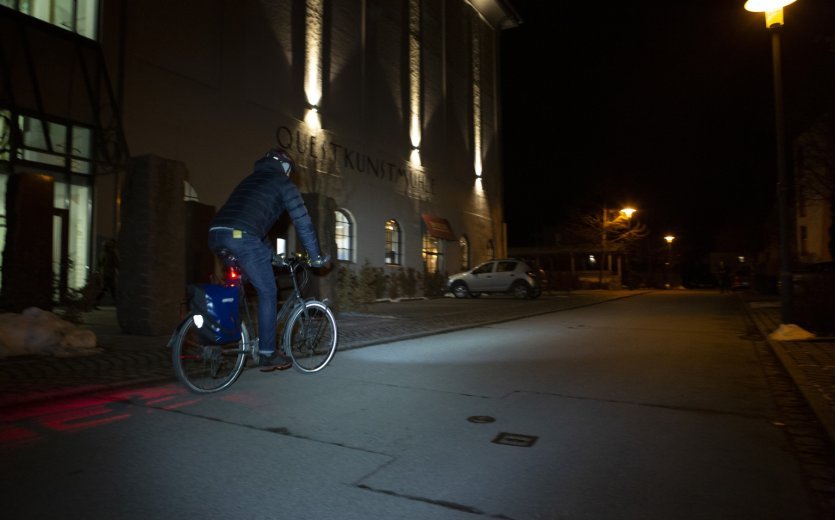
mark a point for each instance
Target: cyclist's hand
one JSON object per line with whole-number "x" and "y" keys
{"x": 320, "y": 261}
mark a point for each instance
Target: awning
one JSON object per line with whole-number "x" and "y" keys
{"x": 438, "y": 227}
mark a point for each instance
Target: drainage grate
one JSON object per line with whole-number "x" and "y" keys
{"x": 481, "y": 419}
{"x": 515, "y": 439}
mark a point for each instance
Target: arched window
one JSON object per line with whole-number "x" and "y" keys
{"x": 464, "y": 246}
{"x": 433, "y": 255}
{"x": 344, "y": 234}
{"x": 393, "y": 242}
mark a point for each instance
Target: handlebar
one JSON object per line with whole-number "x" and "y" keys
{"x": 294, "y": 259}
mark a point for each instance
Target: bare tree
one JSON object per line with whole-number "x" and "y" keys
{"x": 609, "y": 230}
{"x": 814, "y": 153}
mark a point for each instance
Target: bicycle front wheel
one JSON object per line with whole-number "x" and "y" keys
{"x": 310, "y": 336}
{"x": 204, "y": 367}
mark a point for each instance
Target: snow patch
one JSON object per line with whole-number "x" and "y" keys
{"x": 39, "y": 332}
{"x": 790, "y": 332}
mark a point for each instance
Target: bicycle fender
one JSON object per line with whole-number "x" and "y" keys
{"x": 176, "y": 332}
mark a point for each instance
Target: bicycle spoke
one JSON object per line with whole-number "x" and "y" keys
{"x": 311, "y": 337}
{"x": 204, "y": 367}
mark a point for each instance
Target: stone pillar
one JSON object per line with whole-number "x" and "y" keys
{"x": 321, "y": 209}
{"x": 151, "y": 245}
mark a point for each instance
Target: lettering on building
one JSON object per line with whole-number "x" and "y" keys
{"x": 321, "y": 150}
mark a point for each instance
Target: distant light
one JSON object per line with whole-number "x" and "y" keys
{"x": 669, "y": 239}
{"x": 628, "y": 212}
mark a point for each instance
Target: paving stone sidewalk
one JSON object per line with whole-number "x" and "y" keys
{"x": 810, "y": 363}
{"x": 126, "y": 360}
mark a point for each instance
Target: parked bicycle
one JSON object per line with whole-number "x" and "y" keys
{"x": 211, "y": 345}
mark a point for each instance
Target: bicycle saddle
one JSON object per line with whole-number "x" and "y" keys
{"x": 227, "y": 257}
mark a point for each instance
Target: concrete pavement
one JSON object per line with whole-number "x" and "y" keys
{"x": 126, "y": 360}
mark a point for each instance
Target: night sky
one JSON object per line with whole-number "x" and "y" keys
{"x": 664, "y": 106}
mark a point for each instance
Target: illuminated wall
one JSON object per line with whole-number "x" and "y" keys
{"x": 388, "y": 107}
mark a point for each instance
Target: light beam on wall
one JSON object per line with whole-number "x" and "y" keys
{"x": 313, "y": 61}
{"x": 477, "y": 165}
{"x": 414, "y": 80}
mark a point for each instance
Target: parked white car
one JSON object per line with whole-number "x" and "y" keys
{"x": 506, "y": 275}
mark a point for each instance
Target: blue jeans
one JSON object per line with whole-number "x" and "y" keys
{"x": 255, "y": 259}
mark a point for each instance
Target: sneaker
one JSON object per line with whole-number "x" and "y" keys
{"x": 274, "y": 361}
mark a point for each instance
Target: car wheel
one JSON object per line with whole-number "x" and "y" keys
{"x": 520, "y": 290}
{"x": 537, "y": 292}
{"x": 460, "y": 290}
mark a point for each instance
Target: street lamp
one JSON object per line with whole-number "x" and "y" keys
{"x": 669, "y": 239}
{"x": 605, "y": 258}
{"x": 773, "y": 10}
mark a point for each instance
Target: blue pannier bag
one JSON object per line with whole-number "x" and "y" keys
{"x": 218, "y": 304}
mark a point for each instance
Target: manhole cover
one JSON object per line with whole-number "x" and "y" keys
{"x": 515, "y": 439}
{"x": 481, "y": 419}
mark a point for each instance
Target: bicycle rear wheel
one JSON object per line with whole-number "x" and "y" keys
{"x": 203, "y": 367}
{"x": 310, "y": 336}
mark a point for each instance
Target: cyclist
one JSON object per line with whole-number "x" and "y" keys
{"x": 241, "y": 226}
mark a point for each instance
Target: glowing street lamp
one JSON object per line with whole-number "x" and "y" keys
{"x": 773, "y": 10}
{"x": 605, "y": 257}
{"x": 669, "y": 263}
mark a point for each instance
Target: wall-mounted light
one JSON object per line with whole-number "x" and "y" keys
{"x": 414, "y": 158}
{"x": 312, "y": 120}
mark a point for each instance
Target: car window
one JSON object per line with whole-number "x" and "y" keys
{"x": 506, "y": 266}
{"x": 483, "y": 268}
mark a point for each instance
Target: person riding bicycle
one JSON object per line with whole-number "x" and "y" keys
{"x": 241, "y": 225}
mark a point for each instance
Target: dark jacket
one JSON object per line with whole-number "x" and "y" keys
{"x": 260, "y": 199}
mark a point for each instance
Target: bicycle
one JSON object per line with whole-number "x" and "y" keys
{"x": 309, "y": 336}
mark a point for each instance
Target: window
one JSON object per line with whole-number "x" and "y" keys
{"x": 68, "y": 149}
{"x": 344, "y": 234}
{"x": 393, "y": 242}
{"x": 56, "y": 144}
{"x": 464, "y": 246}
{"x": 505, "y": 266}
{"x": 432, "y": 254}
{"x": 78, "y": 16}
{"x": 484, "y": 268}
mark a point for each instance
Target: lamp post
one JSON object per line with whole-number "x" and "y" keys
{"x": 773, "y": 10}
{"x": 669, "y": 239}
{"x": 604, "y": 225}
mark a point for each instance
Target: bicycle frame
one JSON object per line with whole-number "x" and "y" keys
{"x": 293, "y": 300}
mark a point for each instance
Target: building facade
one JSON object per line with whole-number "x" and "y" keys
{"x": 390, "y": 109}
{"x": 814, "y": 185}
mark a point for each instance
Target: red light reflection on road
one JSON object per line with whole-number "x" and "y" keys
{"x": 32, "y": 422}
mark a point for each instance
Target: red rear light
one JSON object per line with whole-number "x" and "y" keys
{"x": 233, "y": 276}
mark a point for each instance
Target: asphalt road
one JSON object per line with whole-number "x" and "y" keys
{"x": 650, "y": 407}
